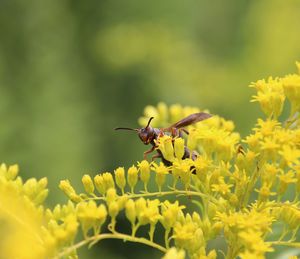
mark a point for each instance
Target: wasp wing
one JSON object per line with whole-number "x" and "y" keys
{"x": 189, "y": 120}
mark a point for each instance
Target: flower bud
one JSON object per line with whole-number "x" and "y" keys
{"x": 56, "y": 213}
{"x": 165, "y": 145}
{"x": 101, "y": 213}
{"x": 113, "y": 209}
{"x": 40, "y": 198}
{"x": 71, "y": 226}
{"x": 99, "y": 183}
{"x": 108, "y": 180}
{"x": 3, "y": 169}
{"x": 179, "y": 148}
{"x": 150, "y": 111}
{"x": 130, "y": 211}
{"x": 111, "y": 195}
{"x": 144, "y": 172}
{"x": 42, "y": 184}
{"x": 196, "y": 218}
{"x": 202, "y": 165}
{"x": 122, "y": 201}
{"x": 132, "y": 177}
{"x": 75, "y": 198}
{"x": 176, "y": 112}
{"x": 161, "y": 172}
{"x": 66, "y": 187}
{"x": 12, "y": 172}
{"x": 120, "y": 178}
{"x": 30, "y": 187}
{"x": 216, "y": 228}
{"x": 170, "y": 213}
{"x": 140, "y": 205}
{"x": 88, "y": 184}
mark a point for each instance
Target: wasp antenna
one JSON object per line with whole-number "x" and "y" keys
{"x": 125, "y": 129}
{"x": 149, "y": 122}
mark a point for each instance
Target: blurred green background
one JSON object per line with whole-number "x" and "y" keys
{"x": 71, "y": 71}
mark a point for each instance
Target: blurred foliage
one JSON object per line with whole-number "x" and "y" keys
{"x": 71, "y": 71}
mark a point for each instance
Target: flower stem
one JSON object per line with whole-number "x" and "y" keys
{"x": 116, "y": 235}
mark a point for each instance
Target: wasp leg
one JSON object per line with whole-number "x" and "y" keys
{"x": 174, "y": 132}
{"x": 178, "y": 132}
{"x": 185, "y": 131}
{"x": 148, "y": 152}
{"x": 156, "y": 156}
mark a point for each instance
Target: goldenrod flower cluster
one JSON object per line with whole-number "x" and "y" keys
{"x": 241, "y": 187}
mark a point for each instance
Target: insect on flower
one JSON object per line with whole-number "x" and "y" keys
{"x": 149, "y": 135}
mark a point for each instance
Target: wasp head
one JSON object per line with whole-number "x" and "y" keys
{"x": 146, "y": 134}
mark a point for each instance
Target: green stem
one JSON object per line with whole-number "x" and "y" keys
{"x": 116, "y": 235}
{"x": 151, "y": 232}
{"x": 134, "y": 229}
{"x": 174, "y": 192}
{"x": 146, "y": 187}
{"x": 284, "y": 243}
{"x": 249, "y": 187}
{"x": 167, "y": 232}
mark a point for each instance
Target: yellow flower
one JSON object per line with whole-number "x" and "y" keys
{"x": 291, "y": 86}
{"x": 108, "y": 180}
{"x": 144, "y": 168}
{"x": 253, "y": 141}
{"x": 165, "y": 145}
{"x": 182, "y": 170}
{"x": 150, "y": 214}
{"x": 130, "y": 211}
{"x": 269, "y": 148}
{"x": 285, "y": 180}
{"x": 267, "y": 127}
{"x": 265, "y": 192}
{"x": 290, "y": 155}
{"x": 226, "y": 146}
{"x": 67, "y": 188}
{"x": 21, "y": 225}
{"x": 88, "y": 184}
{"x": 91, "y": 216}
{"x": 290, "y": 214}
{"x": 269, "y": 173}
{"x": 99, "y": 183}
{"x": 173, "y": 253}
{"x": 188, "y": 235}
{"x": 253, "y": 242}
{"x": 179, "y": 148}
{"x": 222, "y": 187}
{"x": 202, "y": 164}
{"x": 170, "y": 212}
{"x": 132, "y": 177}
{"x": 270, "y": 96}
{"x": 161, "y": 172}
{"x": 235, "y": 222}
{"x": 120, "y": 178}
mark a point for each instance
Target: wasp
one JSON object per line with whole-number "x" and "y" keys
{"x": 149, "y": 135}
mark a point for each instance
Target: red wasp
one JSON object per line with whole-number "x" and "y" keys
{"x": 149, "y": 135}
